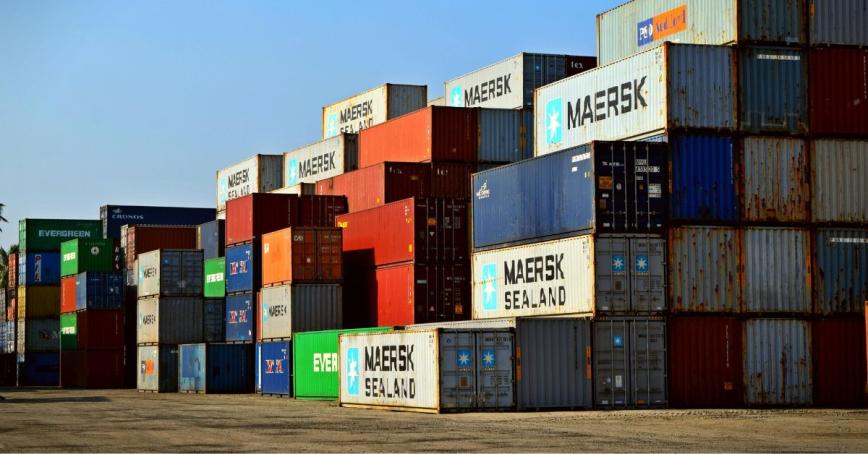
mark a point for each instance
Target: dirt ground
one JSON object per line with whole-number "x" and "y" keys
{"x": 125, "y": 420}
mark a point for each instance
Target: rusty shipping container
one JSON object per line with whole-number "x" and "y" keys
{"x": 773, "y": 90}
{"x": 147, "y": 238}
{"x": 778, "y": 362}
{"x": 840, "y": 270}
{"x": 839, "y": 362}
{"x": 301, "y": 254}
{"x": 704, "y": 269}
{"x": 379, "y": 184}
{"x": 838, "y": 22}
{"x": 838, "y": 80}
{"x": 777, "y": 270}
{"x": 705, "y": 362}
{"x": 775, "y": 180}
{"x": 839, "y": 181}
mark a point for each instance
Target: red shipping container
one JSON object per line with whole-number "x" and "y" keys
{"x": 451, "y": 179}
{"x": 839, "y": 362}
{"x": 410, "y": 293}
{"x": 435, "y": 133}
{"x": 379, "y": 184}
{"x": 251, "y": 216}
{"x": 838, "y": 95}
{"x": 67, "y": 294}
{"x": 705, "y": 362}
{"x": 320, "y": 210}
{"x": 100, "y": 330}
{"x": 8, "y": 369}
{"x": 12, "y": 276}
{"x": 92, "y": 369}
{"x": 295, "y": 254}
{"x": 12, "y": 309}
{"x": 424, "y": 230}
{"x": 147, "y": 238}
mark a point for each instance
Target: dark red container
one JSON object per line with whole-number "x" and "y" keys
{"x": 839, "y": 362}
{"x": 320, "y": 210}
{"x": 424, "y": 230}
{"x": 12, "y": 276}
{"x": 92, "y": 369}
{"x": 435, "y": 134}
{"x": 147, "y": 238}
{"x": 839, "y": 97}
{"x": 251, "y": 216}
{"x": 451, "y": 179}
{"x": 100, "y": 330}
{"x": 379, "y": 184}
{"x": 8, "y": 369}
{"x": 705, "y": 362}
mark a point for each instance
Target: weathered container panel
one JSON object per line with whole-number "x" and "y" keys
{"x": 158, "y": 368}
{"x": 38, "y": 335}
{"x": 371, "y": 108}
{"x": 838, "y": 22}
{"x": 379, "y": 184}
{"x": 838, "y": 80}
{"x": 774, "y": 92}
{"x": 776, "y": 180}
{"x": 102, "y": 291}
{"x": 778, "y": 362}
{"x": 629, "y": 363}
{"x": 147, "y": 238}
{"x": 505, "y": 135}
{"x": 705, "y": 362}
{"x": 840, "y": 181}
{"x": 211, "y": 238}
{"x": 840, "y": 270}
{"x": 170, "y": 272}
{"x": 215, "y": 368}
{"x": 839, "y": 362}
{"x": 289, "y": 309}
{"x": 704, "y": 273}
{"x": 777, "y": 270}
{"x": 168, "y": 320}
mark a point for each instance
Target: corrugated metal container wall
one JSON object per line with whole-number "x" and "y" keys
{"x": 38, "y": 268}
{"x": 247, "y": 218}
{"x": 113, "y": 217}
{"x": 642, "y": 24}
{"x": 840, "y": 181}
{"x": 778, "y": 363}
{"x": 324, "y": 159}
{"x": 158, "y": 368}
{"x": 211, "y": 238}
{"x": 676, "y": 86}
{"x": 319, "y": 210}
{"x": 451, "y": 180}
{"x": 39, "y": 369}
{"x": 240, "y": 317}
{"x": 146, "y": 238}
{"x": 215, "y": 368}
{"x": 93, "y": 369}
{"x": 704, "y": 269}
{"x": 47, "y": 234}
{"x": 505, "y": 135}
{"x": 104, "y": 291}
{"x": 774, "y": 93}
{"x": 38, "y": 335}
{"x": 214, "y": 320}
{"x": 838, "y": 22}
{"x": 259, "y": 173}
{"x": 68, "y": 332}
{"x": 841, "y": 270}
{"x": 703, "y": 179}
{"x": 372, "y": 107}
{"x": 82, "y": 255}
{"x": 274, "y": 368}
{"x": 67, "y": 294}
{"x": 288, "y": 309}
{"x": 839, "y": 90}
{"x": 302, "y": 254}
{"x": 299, "y": 189}
{"x": 411, "y": 293}
{"x": 705, "y": 362}
{"x": 776, "y": 180}
{"x": 170, "y": 272}
{"x": 630, "y": 363}
{"x": 243, "y": 268}
{"x": 379, "y": 184}
{"x": 169, "y": 321}
{"x": 777, "y": 270}
{"x": 12, "y": 270}
{"x": 215, "y": 278}
{"x": 839, "y": 362}
{"x": 38, "y": 302}
{"x": 99, "y": 330}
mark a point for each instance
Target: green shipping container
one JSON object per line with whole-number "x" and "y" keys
{"x": 315, "y": 362}
{"x": 84, "y": 255}
{"x": 68, "y": 332}
{"x": 47, "y": 234}
{"x": 215, "y": 274}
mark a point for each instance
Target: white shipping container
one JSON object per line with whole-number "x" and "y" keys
{"x": 299, "y": 189}
{"x": 672, "y": 87}
{"x": 324, "y": 159}
{"x": 259, "y": 173}
{"x": 288, "y": 309}
{"x": 371, "y": 108}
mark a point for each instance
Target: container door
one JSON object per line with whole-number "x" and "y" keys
{"x": 647, "y": 363}
{"x": 612, "y": 264}
{"x": 494, "y": 370}
{"x": 149, "y": 368}
{"x": 168, "y": 368}
{"x": 192, "y": 368}
{"x": 457, "y": 374}
{"x": 610, "y": 364}
{"x": 647, "y": 278}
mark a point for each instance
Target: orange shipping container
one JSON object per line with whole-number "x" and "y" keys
{"x": 67, "y": 294}
{"x": 301, "y": 254}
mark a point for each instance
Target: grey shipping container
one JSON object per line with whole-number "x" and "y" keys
{"x": 37, "y": 335}
{"x": 214, "y": 320}
{"x": 704, "y": 273}
{"x": 170, "y": 272}
{"x": 505, "y": 135}
{"x": 629, "y": 363}
{"x": 839, "y": 181}
{"x": 840, "y": 270}
{"x": 158, "y": 368}
{"x": 169, "y": 320}
{"x": 287, "y": 309}
{"x": 778, "y": 362}
{"x": 838, "y": 22}
{"x": 777, "y": 270}
{"x": 773, "y": 90}
{"x": 775, "y": 180}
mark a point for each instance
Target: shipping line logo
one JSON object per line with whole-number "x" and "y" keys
{"x": 554, "y": 119}
{"x": 456, "y": 98}
{"x": 662, "y": 25}
{"x": 292, "y": 172}
{"x": 353, "y": 371}
{"x": 331, "y": 125}
{"x": 464, "y": 359}
{"x": 489, "y": 359}
{"x": 274, "y": 366}
{"x": 483, "y": 192}
{"x": 641, "y": 263}
{"x": 489, "y": 287}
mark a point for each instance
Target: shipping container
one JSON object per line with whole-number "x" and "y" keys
{"x": 68, "y": 294}
{"x": 839, "y": 99}
{"x": 169, "y": 320}
{"x": 703, "y": 180}
{"x": 68, "y": 332}
{"x": 704, "y": 269}
{"x": 510, "y": 83}
{"x": 672, "y": 87}
{"x": 8, "y": 369}
{"x": 248, "y": 218}
{"x": 435, "y": 370}
{"x": 38, "y": 335}
{"x": 214, "y": 320}
{"x": 100, "y": 330}
{"x": 441, "y": 101}
{"x": 243, "y": 268}
{"x": 274, "y": 368}
{"x": 840, "y": 181}
{"x": 840, "y": 270}
{"x": 705, "y": 362}
{"x": 289, "y": 309}
{"x": 147, "y": 238}
{"x": 298, "y": 189}
{"x": 302, "y": 254}
{"x": 94, "y": 369}
{"x": 371, "y": 108}
{"x": 839, "y": 362}
{"x": 102, "y": 291}
{"x": 778, "y": 362}
{"x": 426, "y": 135}
{"x": 8, "y": 337}
{"x": 777, "y": 270}
{"x": 775, "y": 180}
{"x": 422, "y": 230}
{"x": 320, "y": 160}
{"x": 379, "y": 184}
{"x": 39, "y": 369}
{"x": 12, "y": 271}
{"x": 582, "y": 275}
{"x": 215, "y": 368}
{"x": 259, "y": 173}
{"x": 211, "y": 238}
{"x": 319, "y": 210}
{"x": 630, "y": 363}
{"x": 38, "y": 302}
{"x": 773, "y": 90}
{"x": 451, "y": 180}
{"x": 38, "y": 268}
{"x": 82, "y": 255}
{"x": 158, "y": 368}
{"x": 113, "y": 217}
{"x": 12, "y": 308}
{"x": 170, "y": 272}
{"x": 240, "y": 317}
{"x": 47, "y": 234}
{"x": 505, "y": 135}
{"x": 215, "y": 278}
{"x": 601, "y": 187}
{"x": 639, "y": 25}
{"x": 838, "y": 22}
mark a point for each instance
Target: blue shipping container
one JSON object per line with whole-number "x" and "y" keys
{"x": 214, "y": 319}
{"x": 603, "y": 187}
{"x": 103, "y": 291}
{"x": 257, "y": 374}
{"x": 773, "y": 87}
{"x": 505, "y": 135}
{"x": 703, "y": 179}
{"x": 275, "y": 368}
{"x": 841, "y": 270}
{"x": 39, "y": 369}
{"x": 115, "y": 216}
{"x": 216, "y": 368}
{"x": 240, "y": 317}
{"x": 211, "y": 238}
{"x": 39, "y": 268}
{"x": 242, "y": 268}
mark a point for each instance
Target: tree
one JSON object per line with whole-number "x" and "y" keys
{"x": 2, "y": 219}
{"x": 4, "y": 273}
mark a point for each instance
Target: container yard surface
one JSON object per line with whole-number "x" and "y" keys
{"x": 127, "y": 421}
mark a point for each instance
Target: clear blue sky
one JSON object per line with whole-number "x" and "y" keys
{"x": 140, "y": 102}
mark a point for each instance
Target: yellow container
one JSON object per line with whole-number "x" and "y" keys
{"x": 38, "y": 302}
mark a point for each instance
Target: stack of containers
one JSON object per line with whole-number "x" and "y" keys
{"x": 302, "y": 270}
{"x": 8, "y": 360}
{"x": 91, "y": 315}
{"x": 259, "y": 173}
{"x": 371, "y": 108}
{"x": 305, "y": 166}
{"x": 38, "y": 295}
{"x": 169, "y": 313}
{"x": 210, "y": 238}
